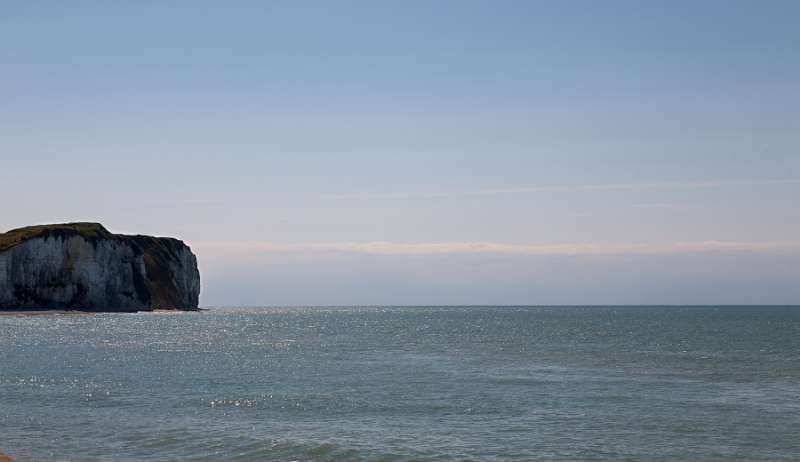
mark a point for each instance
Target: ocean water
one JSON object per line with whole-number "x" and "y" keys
{"x": 403, "y": 384}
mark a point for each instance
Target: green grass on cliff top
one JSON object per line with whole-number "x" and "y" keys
{"x": 17, "y": 236}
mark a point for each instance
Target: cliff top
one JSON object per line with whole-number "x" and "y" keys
{"x": 87, "y": 230}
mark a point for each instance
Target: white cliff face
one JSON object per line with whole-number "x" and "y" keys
{"x": 121, "y": 273}
{"x": 187, "y": 276}
{"x": 4, "y": 257}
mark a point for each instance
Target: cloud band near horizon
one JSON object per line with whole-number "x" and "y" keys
{"x": 443, "y": 248}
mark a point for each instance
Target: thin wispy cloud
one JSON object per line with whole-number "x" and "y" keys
{"x": 444, "y": 248}
{"x": 222, "y": 200}
{"x": 667, "y": 185}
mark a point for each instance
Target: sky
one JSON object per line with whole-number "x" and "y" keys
{"x": 419, "y": 152}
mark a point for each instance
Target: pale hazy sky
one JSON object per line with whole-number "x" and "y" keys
{"x": 509, "y": 152}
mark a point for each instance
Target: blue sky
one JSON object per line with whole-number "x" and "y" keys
{"x": 498, "y": 152}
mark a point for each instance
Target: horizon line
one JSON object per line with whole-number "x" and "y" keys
{"x": 565, "y": 305}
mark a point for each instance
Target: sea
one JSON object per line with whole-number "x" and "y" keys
{"x": 472, "y": 383}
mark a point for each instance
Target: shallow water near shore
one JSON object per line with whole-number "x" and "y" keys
{"x": 403, "y": 383}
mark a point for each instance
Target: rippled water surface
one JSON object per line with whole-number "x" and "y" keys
{"x": 401, "y": 384}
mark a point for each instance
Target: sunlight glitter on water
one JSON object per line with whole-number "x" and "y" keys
{"x": 361, "y": 383}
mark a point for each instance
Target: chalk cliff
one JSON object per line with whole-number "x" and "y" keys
{"x": 84, "y": 266}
